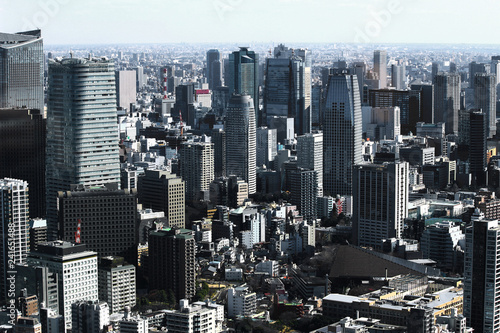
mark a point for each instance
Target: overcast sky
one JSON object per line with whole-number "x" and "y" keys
{"x": 245, "y": 21}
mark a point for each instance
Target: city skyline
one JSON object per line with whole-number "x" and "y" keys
{"x": 361, "y": 21}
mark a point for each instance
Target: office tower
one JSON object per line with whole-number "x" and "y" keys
{"x": 408, "y": 101}
{"x": 341, "y": 133}
{"x": 141, "y": 78}
{"x": 163, "y": 191}
{"x": 288, "y": 87}
{"x": 267, "y": 146}
{"x": 107, "y": 219}
{"x": 435, "y": 70}
{"x": 481, "y": 278}
{"x": 398, "y": 77}
{"x": 485, "y": 98}
{"x": 214, "y": 69}
{"x": 116, "y": 283}
{"x": 22, "y": 152}
{"x": 21, "y": 70}
{"x": 38, "y": 232}
{"x": 82, "y": 129}
{"x": 76, "y": 271}
{"x": 304, "y": 191}
{"x": 439, "y": 242}
{"x": 447, "y": 100}
{"x": 241, "y": 140}
{"x": 478, "y": 146}
{"x": 219, "y": 140}
{"x": 359, "y": 69}
{"x": 380, "y": 197}
{"x": 126, "y": 88}
{"x": 495, "y": 68}
{"x": 426, "y": 101}
{"x": 310, "y": 155}
{"x": 316, "y": 111}
{"x": 453, "y": 67}
{"x": 172, "y": 262}
{"x": 380, "y": 66}
{"x": 242, "y": 77}
{"x": 184, "y": 99}
{"x": 384, "y": 124}
{"x": 284, "y": 127}
{"x": 89, "y": 316}
{"x": 220, "y": 98}
{"x": 241, "y": 302}
{"x": 475, "y": 68}
{"x": 197, "y": 168}
{"x": 14, "y": 205}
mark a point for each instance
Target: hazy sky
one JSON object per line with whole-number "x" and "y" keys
{"x": 245, "y": 21}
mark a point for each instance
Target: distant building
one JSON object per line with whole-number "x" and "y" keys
{"x": 126, "y": 88}
{"x": 214, "y": 69}
{"x": 447, "y": 87}
{"x": 384, "y": 124}
{"x": 485, "y": 97}
{"x": 380, "y": 66}
{"x": 197, "y": 168}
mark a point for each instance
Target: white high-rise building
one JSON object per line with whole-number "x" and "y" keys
{"x": 76, "y": 270}
{"x": 310, "y": 155}
{"x": 117, "y": 284}
{"x": 481, "y": 278}
{"x": 342, "y": 133}
{"x": 380, "y": 197}
{"x": 14, "y": 205}
{"x": 380, "y": 66}
{"x": 241, "y": 146}
{"x": 241, "y": 302}
{"x": 82, "y": 129}
{"x": 267, "y": 146}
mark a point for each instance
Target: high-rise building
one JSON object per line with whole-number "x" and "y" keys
{"x": 476, "y": 68}
{"x": 241, "y": 301}
{"x": 22, "y": 152}
{"x": 197, "y": 168}
{"x": 214, "y": 69}
{"x": 241, "y": 140}
{"x": 342, "y": 133}
{"x": 21, "y": 70}
{"x": 478, "y": 122}
{"x": 163, "y": 191}
{"x": 82, "y": 129}
{"x": 107, "y": 218}
{"x": 76, "y": 271}
{"x": 426, "y": 101}
{"x": 14, "y": 210}
{"x": 288, "y": 87}
{"x": 184, "y": 99}
{"x": 116, "y": 283}
{"x": 481, "y": 278}
{"x": 380, "y": 66}
{"x": 89, "y": 316}
{"x": 485, "y": 97}
{"x": 398, "y": 77}
{"x": 384, "y": 124}
{"x": 435, "y": 70}
{"x": 219, "y": 140}
{"x": 267, "y": 146}
{"x": 310, "y": 155}
{"x": 304, "y": 191}
{"x": 447, "y": 100}
{"x": 126, "y": 88}
{"x": 495, "y": 67}
{"x": 172, "y": 262}
{"x": 380, "y": 198}
{"x": 242, "y": 77}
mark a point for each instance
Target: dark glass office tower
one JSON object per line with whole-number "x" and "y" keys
{"x": 22, "y": 152}
{"x": 21, "y": 70}
{"x": 214, "y": 69}
{"x": 447, "y": 100}
{"x": 342, "y": 133}
{"x": 485, "y": 98}
{"x": 243, "y": 77}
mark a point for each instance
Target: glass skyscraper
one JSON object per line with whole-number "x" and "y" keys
{"x": 288, "y": 87}
{"x": 21, "y": 70}
{"x": 342, "y": 133}
{"x": 82, "y": 129}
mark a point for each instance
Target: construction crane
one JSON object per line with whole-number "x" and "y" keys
{"x": 77, "y": 233}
